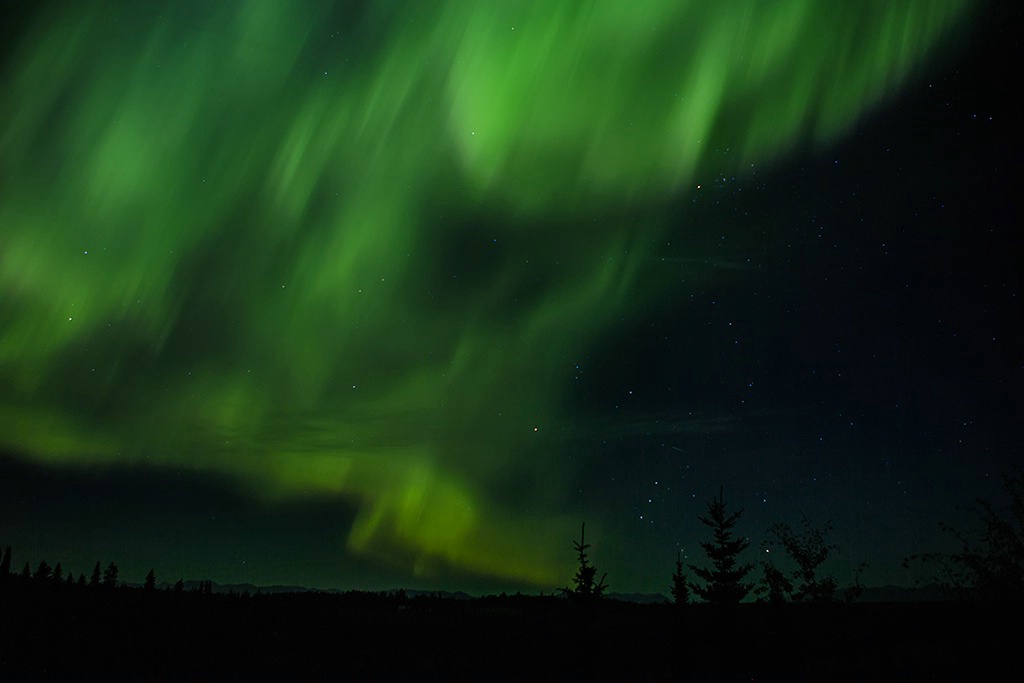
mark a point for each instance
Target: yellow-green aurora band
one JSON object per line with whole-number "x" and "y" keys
{"x": 354, "y": 249}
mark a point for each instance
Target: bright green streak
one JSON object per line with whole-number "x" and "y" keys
{"x": 257, "y": 237}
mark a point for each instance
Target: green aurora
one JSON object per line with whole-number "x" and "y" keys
{"x": 355, "y": 249}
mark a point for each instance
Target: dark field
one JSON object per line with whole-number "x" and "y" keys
{"x": 65, "y": 632}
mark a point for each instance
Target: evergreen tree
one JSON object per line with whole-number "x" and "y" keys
{"x": 680, "y": 589}
{"x": 150, "y": 581}
{"x": 81, "y": 580}
{"x": 43, "y": 572}
{"x": 584, "y": 584}
{"x": 110, "y": 576}
{"x": 58, "y": 574}
{"x": 179, "y": 587}
{"x": 71, "y": 579}
{"x": 94, "y": 581}
{"x": 26, "y": 572}
{"x": 723, "y": 581}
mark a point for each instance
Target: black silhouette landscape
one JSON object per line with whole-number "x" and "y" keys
{"x": 801, "y": 628}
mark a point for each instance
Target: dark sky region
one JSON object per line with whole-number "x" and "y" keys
{"x": 370, "y": 294}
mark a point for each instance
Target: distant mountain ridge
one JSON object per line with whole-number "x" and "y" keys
{"x": 888, "y": 593}
{"x": 931, "y": 592}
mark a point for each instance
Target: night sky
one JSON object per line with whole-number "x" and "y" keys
{"x": 377, "y": 294}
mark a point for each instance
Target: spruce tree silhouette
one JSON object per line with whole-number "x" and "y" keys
{"x": 26, "y": 572}
{"x": 809, "y": 551}
{"x": 584, "y": 585}
{"x": 94, "y": 581}
{"x": 723, "y": 581}
{"x": 43, "y": 572}
{"x": 150, "y": 581}
{"x": 58, "y": 574}
{"x": 110, "y": 576}
{"x": 680, "y": 589}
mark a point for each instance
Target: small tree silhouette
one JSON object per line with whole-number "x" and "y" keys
{"x": 110, "y": 576}
{"x": 95, "y": 579}
{"x": 26, "y": 572}
{"x": 58, "y": 574}
{"x": 150, "y": 581}
{"x": 775, "y": 584}
{"x": 853, "y": 592}
{"x": 723, "y": 582}
{"x": 809, "y": 551}
{"x": 680, "y": 589}
{"x": 584, "y": 585}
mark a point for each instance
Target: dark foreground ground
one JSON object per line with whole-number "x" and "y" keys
{"x": 67, "y": 633}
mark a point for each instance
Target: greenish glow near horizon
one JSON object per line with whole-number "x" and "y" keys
{"x": 357, "y": 251}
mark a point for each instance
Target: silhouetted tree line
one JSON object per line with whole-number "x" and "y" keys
{"x": 142, "y": 629}
{"x": 723, "y": 580}
{"x": 989, "y": 564}
{"x": 101, "y": 578}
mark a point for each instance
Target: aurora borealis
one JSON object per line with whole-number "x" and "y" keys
{"x": 365, "y": 254}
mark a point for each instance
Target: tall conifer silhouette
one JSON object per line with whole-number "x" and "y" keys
{"x": 680, "y": 588}
{"x": 723, "y": 581}
{"x": 584, "y": 583}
